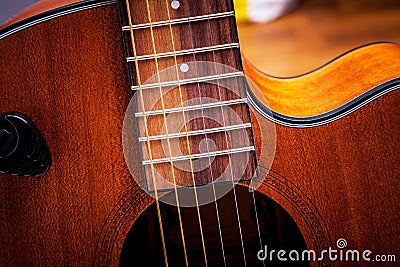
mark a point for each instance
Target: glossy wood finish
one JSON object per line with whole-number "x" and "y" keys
{"x": 73, "y": 84}
{"x": 349, "y": 171}
{"x": 330, "y": 86}
{"x": 337, "y": 181}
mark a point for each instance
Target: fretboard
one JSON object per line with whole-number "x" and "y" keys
{"x": 191, "y": 108}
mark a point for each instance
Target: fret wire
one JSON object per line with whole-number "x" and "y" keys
{"x": 135, "y": 58}
{"x": 201, "y": 155}
{"x": 199, "y": 132}
{"x": 179, "y": 21}
{"x": 166, "y": 129}
{"x": 191, "y": 80}
{"x": 194, "y": 107}
{"x": 147, "y": 134}
{"x": 185, "y": 52}
{"x": 187, "y": 137}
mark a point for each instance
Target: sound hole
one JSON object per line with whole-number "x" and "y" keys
{"x": 278, "y": 231}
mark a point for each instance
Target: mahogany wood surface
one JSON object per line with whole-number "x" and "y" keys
{"x": 349, "y": 170}
{"x": 77, "y": 76}
{"x": 337, "y": 181}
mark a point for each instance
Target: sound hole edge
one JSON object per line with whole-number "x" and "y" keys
{"x": 277, "y": 228}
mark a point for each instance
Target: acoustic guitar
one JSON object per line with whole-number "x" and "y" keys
{"x": 133, "y": 133}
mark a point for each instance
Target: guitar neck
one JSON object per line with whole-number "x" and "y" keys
{"x": 193, "y": 30}
{"x": 189, "y": 92}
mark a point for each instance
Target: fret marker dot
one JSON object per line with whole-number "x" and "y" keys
{"x": 184, "y": 67}
{"x": 175, "y": 4}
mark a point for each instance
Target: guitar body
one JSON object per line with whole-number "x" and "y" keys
{"x": 335, "y": 180}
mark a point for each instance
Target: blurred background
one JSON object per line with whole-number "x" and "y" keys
{"x": 290, "y": 37}
{"x": 309, "y": 33}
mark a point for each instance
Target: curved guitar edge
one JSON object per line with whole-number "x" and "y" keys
{"x": 46, "y": 10}
{"x": 330, "y": 92}
{"x": 327, "y": 117}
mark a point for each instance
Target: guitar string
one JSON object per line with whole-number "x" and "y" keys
{"x": 207, "y": 142}
{"x": 257, "y": 221}
{"x": 147, "y": 134}
{"x": 230, "y": 3}
{"x": 207, "y": 145}
{"x": 253, "y": 193}
{"x": 164, "y": 114}
{"x": 227, "y": 142}
{"x": 166, "y": 132}
{"x": 187, "y": 135}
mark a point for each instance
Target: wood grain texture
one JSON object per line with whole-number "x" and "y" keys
{"x": 332, "y": 85}
{"x": 349, "y": 170}
{"x": 183, "y": 37}
{"x": 69, "y": 76}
